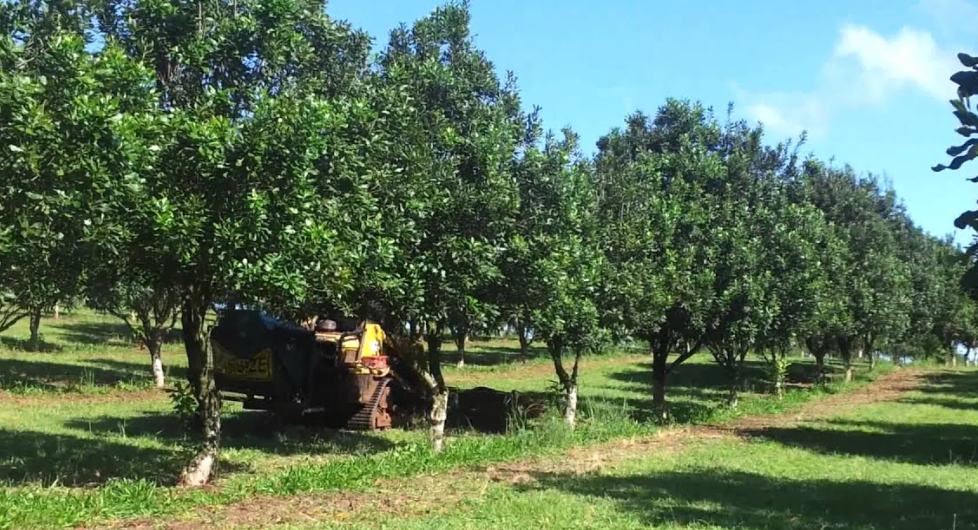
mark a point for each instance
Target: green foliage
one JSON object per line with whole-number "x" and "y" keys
{"x": 967, "y": 81}
{"x": 183, "y": 402}
{"x": 161, "y": 155}
{"x": 67, "y": 127}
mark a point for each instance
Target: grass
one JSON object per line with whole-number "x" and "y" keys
{"x": 88, "y": 440}
{"x": 907, "y": 464}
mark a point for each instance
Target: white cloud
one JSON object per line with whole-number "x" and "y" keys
{"x": 865, "y": 68}
{"x": 911, "y": 57}
{"x": 788, "y": 114}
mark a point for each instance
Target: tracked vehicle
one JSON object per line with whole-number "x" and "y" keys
{"x": 346, "y": 374}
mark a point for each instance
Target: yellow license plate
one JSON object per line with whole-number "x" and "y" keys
{"x": 257, "y": 368}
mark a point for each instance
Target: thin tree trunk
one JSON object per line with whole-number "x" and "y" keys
{"x": 35, "y": 324}
{"x": 156, "y": 362}
{"x": 845, "y": 351}
{"x": 733, "y": 397}
{"x": 570, "y": 407}
{"x": 870, "y": 349}
{"x": 524, "y": 340}
{"x": 567, "y": 381}
{"x": 460, "y": 347}
{"x": 439, "y": 407}
{"x": 198, "y": 472}
{"x": 192, "y": 316}
{"x": 819, "y": 365}
{"x": 439, "y": 414}
{"x": 659, "y": 408}
{"x": 779, "y": 363}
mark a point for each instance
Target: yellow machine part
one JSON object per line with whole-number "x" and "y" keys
{"x": 354, "y": 350}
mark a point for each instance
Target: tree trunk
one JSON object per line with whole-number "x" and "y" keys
{"x": 819, "y": 365}
{"x": 439, "y": 407}
{"x": 659, "y": 408}
{"x": 198, "y": 472}
{"x": 567, "y": 381}
{"x": 870, "y": 347}
{"x": 156, "y": 362}
{"x": 192, "y": 316}
{"x": 439, "y": 413}
{"x": 845, "y": 351}
{"x": 570, "y": 407}
{"x": 34, "y": 343}
{"x": 779, "y": 376}
{"x": 524, "y": 340}
{"x": 733, "y": 396}
{"x": 460, "y": 347}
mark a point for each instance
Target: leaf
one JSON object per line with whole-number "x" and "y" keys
{"x": 957, "y": 150}
{"x": 968, "y": 60}
{"x": 966, "y": 219}
{"x": 966, "y": 118}
{"x": 967, "y": 80}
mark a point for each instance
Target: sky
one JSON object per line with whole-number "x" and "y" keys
{"x": 867, "y": 80}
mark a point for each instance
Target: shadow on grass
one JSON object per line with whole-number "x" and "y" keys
{"x": 48, "y": 375}
{"x": 29, "y": 457}
{"x": 925, "y": 444}
{"x": 248, "y": 430}
{"x": 494, "y": 355}
{"x": 95, "y": 333}
{"x": 951, "y": 382}
{"x": 941, "y": 402}
{"x": 19, "y": 344}
{"x": 734, "y": 499}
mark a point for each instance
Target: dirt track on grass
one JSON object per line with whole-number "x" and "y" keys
{"x": 417, "y": 496}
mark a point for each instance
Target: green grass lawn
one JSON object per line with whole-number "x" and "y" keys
{"x": 84, "y": 436}
{"x": 904, "y": 464}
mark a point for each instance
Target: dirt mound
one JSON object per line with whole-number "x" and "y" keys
{"x": 488, "y": 410}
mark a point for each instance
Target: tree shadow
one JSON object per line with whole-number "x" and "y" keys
{"x": 496, "y": 355}
{"x": 95, "y": 333}
{"x": 735, "y": 499}
{"x": 54, "y": 376}
{"x": 140, "y": 369}
{"x": 244, "y": 430}
{"x": 690, "y": 376}
{"x": 941, "y": 402}
{"x": 19, "y": 344}
{"x": 951, "y": 382}
{"x": 29, "y": 457}
{"x": 924, "y": 444}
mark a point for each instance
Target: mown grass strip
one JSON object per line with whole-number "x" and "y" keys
{"x": 54, "y": 507}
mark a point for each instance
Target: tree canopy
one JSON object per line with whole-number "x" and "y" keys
{"x": 165, "y": 158}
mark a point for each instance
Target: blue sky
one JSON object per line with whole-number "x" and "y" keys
{"x": 867, "y": 79}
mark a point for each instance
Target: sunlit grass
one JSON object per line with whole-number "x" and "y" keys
{"x": 86, "y": 437}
